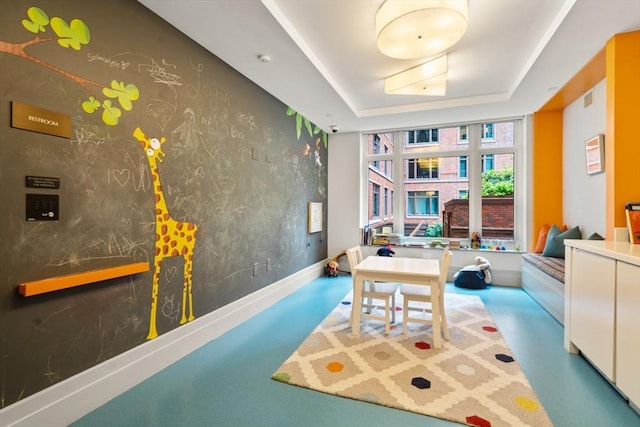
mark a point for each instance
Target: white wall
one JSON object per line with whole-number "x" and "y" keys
{"x": 344, "y": 192}
{"x": 583, "y": 195}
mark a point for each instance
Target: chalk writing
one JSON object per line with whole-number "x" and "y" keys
{"x": 109, "y": 62}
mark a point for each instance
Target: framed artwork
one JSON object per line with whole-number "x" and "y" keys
{"x": 594, "y": 154}
{"x": 315, "y": 217}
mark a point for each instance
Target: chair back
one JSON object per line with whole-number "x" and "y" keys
{"x": 354, "y": 255}
{"x": 445, "y": 262}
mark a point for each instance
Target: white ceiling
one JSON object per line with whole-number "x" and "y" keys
{"x": 325, "y": 64}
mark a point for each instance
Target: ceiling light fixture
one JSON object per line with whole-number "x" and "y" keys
{"x": 408, "y": 29}
{"x": 429, "y": 79}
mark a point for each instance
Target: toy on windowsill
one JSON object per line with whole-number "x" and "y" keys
{"x": 475, "y": 240}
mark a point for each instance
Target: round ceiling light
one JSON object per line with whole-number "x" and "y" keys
{"x": 408, "y": 29}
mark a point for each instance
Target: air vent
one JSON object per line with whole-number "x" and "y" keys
{"x": 588, "y": 99}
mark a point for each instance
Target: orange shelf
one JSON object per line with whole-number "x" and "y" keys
{"x": 69, "y": 281}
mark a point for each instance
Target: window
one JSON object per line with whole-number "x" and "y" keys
{"x": 386, "y": 202}
{"x": 487, "y": 131}
{"x": 376, "y": 200}
{"x": 462, "y": 168}
{"x": 447, "y": 189}
{"x": 376, "y": 149}
{"x": 423, "y": 168}
{"x": 422, "y": 203}
{"x": 422, "y": 136}
{"x": 462, "y": 135}
{"x": 487, "y": 162}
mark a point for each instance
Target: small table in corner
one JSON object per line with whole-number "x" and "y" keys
{"x": 414, "y": 271}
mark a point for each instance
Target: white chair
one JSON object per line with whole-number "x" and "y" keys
{"x": 422, "y": 296}
{"x": 372, "y": 291}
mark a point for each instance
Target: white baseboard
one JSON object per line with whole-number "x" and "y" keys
{"x": 69, "y": 400}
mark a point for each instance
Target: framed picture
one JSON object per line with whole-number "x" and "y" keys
{"x": 315, "y": 217}
{"x": 594, "y": 154}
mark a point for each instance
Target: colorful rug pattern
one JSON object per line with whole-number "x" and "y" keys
{"x": 472, "y": 380}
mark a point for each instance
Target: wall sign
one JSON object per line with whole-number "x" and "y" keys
{"x": 42, "y": 182}
{"x": 37, "y": 119}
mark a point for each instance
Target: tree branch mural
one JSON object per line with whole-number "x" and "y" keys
{"x": 73, "y": 35}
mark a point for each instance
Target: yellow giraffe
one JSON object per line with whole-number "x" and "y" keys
{"x": 173, "y": 238}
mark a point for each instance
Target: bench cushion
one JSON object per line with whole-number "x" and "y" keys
{"x": 554, "y": 267}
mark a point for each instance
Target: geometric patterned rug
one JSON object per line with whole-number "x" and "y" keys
{"x": 472, "y": 380}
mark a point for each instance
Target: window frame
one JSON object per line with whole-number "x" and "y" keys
{"x": 473, "y": 149}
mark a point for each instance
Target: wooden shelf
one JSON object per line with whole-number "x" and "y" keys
{"x": 79, "y": 279}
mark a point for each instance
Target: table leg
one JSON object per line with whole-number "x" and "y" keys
{"x": 435, "y": 312}
{"x": 356, "y": 306}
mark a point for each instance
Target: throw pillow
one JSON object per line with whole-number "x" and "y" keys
{"x": 595, "y": 236}
{"x": 542, "y": 238}
{"x": 555, "y": 240}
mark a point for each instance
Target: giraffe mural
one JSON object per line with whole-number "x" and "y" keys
{"x": 173, "y": 238}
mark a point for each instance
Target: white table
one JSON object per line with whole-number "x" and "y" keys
{"x": 415, "y": 271}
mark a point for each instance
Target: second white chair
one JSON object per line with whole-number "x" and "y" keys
{"x": 422, "y": 295}
{"x": 372, "y": 291}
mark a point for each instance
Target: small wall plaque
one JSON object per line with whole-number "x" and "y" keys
{"x": 42, "y": 182}
{"x": 37, "y": 119}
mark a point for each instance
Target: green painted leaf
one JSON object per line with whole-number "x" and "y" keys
{"x": 325, "y": 139}
{"x": 298, "y": 125}
{"x": 91, "y": 105}
{"x": 125, "y": 94}
{"x": 110, "y": 114}
{"x": 307, "y": 124}
{"x": 38, "y": 20}
{"x": 290, "y": 111}
{"x": 73, "y": 35}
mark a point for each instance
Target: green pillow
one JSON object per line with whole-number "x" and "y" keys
{"x": 595, "y": 236}
{"x": 555, "y": 240}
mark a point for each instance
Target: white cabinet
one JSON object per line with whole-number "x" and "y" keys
{"x": 602, "y": 309}
{"x": 593, "y": 308}
{"x": 628, "y": 330}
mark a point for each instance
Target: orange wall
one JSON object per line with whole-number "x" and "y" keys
{"x": 619, "y": 62}
{"x": 622, "y": 147}
{"x": 547, "y": 170}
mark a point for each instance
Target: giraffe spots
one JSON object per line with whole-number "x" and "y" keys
{"x": 164, "y": 229}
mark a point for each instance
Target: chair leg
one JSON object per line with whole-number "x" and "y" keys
{"x": 405, "y": 315}
{"x": 445, "y": 326}
{"x": 369, "y": 304}
{"x": 393, "y": 308}
{"x": 387, "y": 317}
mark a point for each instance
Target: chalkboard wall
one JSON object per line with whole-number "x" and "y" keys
{"x": 237, "y": 165}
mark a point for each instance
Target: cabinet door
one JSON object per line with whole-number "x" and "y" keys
{"x": 593, "y": 279}
{"x": 627, "y": 331}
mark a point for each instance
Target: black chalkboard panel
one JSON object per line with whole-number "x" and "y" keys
{"x": 232, "y": 165}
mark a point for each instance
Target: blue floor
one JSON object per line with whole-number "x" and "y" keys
{"x": 227, "y": 382}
